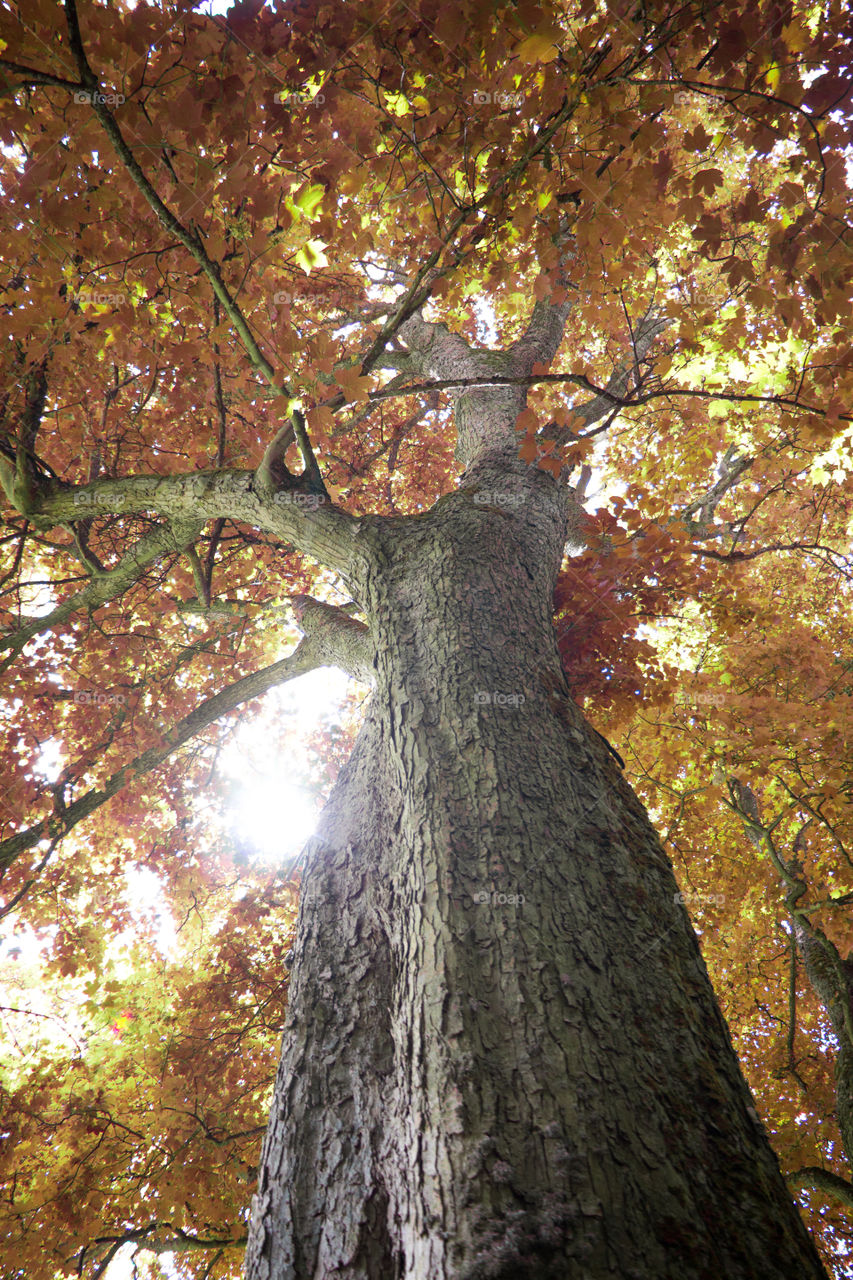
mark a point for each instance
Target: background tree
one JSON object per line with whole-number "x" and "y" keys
{"x": 273, "y": 281}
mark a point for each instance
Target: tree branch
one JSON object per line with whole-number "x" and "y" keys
{"x": 164, "y": 540}
{"x": 822, "y": 1180}
{"x": 331, "y": 638}
{"x": 429, "y": 272}
{"x": 730, "y": 469}
{"x": 612, "y": 395}
{"x": 190, "y": 240}
{"x": 158, "y": 1237}
{"x": 317, "y": 527}
{"x": 547, "y": 324}
{"x": 335, "y": 637}
{"x": 27, "y": 76}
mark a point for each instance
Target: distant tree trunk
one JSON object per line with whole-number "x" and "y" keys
{"x": 503, "y": 1055}
{"x": 831, "y": 979}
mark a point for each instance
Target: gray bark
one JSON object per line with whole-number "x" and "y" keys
{"x": 503, "y": 1055}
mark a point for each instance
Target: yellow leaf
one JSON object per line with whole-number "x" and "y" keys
{"x": 796, "y": 36}
{"x": 311, "y": 255}
{"x": 540, "y": 47}
{"x": 397, "y": 104}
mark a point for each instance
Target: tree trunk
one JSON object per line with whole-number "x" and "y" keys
{"x": 831, "y": 979}
{"x": 503, "y": 1055}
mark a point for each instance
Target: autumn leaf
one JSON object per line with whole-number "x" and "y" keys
{"x": 542, "y": 46}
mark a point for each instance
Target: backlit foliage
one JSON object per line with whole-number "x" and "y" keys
{"x": 230, "y": 232}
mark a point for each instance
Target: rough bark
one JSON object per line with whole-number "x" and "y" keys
{"x": 503, "y": 1055}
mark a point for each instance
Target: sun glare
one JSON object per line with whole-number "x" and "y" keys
{"x": 268, "y": 812}
{"x": 275, "y": 819}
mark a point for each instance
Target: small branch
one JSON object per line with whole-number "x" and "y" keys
{"x": 199, "y": 579}
{"x": 311, "y": 469}
{"x": 83, "y": 551}
{"x": 159, "y": 1237}
{"x": 430, "y": 272}
{"x": 792, "y": 1014}
{"x": 609, "y": 395}
{"x": 190, "y": 240}
{"x": 28, "y": 884}
{"x": 31, "y": 76}
{"x": 193, "y": 242}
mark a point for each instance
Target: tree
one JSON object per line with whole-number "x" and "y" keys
{"x": 351, "y": 306}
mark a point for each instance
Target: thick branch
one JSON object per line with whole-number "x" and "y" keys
{"x": 491, "y": 389}
{"x": 312, "y": 523}
{"x": 832, "y": 982}
{"x": 335, "y": 637}
{"x": 547, "y": 324}
{"x": 830, "y": 977}
{"x": 822, "y": 1180}
{"x": 730, "y": 470}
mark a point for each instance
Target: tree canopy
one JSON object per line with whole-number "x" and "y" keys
{"x": 214, "y": 230}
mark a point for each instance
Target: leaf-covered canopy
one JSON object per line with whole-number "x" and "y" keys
{"x": 214, "y": 229}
